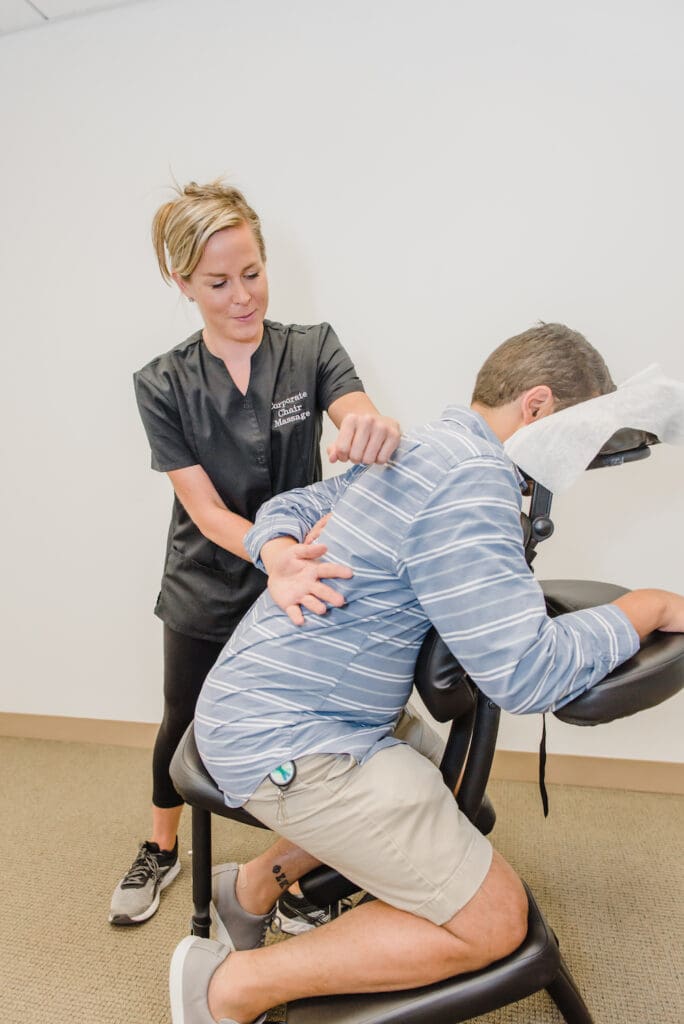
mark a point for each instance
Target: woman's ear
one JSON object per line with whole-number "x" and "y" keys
{"x": 184, "y": 286}
{"x": 537, "y": 403}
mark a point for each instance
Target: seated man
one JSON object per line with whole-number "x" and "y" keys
{"x": 295, "y": 723}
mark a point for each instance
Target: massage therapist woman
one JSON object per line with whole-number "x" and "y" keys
{"x": 233, "y": 416}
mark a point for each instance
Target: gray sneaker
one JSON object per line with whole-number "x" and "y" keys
{"x": 235, "y": 928}
{"x": 136, "y": 897}
{"x": 192, "y": 967}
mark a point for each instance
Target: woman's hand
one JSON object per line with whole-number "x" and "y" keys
{"x": 365, "y": 437}
{"x": 295, "y": 577}
{"x": 316, "y": 530}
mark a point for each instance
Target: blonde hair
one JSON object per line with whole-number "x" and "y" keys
{"x": 182, "y": 227}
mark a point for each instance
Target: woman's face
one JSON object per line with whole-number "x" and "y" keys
{"x": 230, "y": 286}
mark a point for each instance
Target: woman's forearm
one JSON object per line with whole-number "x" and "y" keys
{"x": 226, "y": 529}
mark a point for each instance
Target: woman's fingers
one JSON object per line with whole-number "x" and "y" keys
{"x": 296, "y": 577}
{"x": 310, "y": 552}
{"x": 316, "y": 530}
{"x": 294, "y": 614}
{"x": 312, "y": 604}
{"x": 325, "y": 593}
{"x": 365, "y": 439}
{"x": 332, "y": 571}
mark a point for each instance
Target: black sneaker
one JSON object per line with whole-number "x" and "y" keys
{"x": 136, "y": 897}
{"x": 294, "y": 914}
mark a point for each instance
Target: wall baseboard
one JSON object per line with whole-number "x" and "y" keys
{"x": 593, "y": 772}
{"x": 511, "y": 765}
{"x": 78, "y": 730}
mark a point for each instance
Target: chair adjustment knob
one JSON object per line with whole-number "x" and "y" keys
{"x": 542, "y": 527}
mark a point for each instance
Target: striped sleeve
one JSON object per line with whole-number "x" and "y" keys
{"x": 294, "y": 513}
{"x": 464, "y": 559}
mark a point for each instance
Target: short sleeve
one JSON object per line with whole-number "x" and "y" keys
{"x": 335, "y": 374}
{"x": 161, "y": 418}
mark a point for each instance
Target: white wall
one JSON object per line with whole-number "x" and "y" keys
{"x": 432, "y": 178}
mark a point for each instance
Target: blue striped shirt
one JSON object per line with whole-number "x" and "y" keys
{"x": 433, "y": 537}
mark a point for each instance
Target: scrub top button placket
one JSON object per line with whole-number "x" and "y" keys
{"x": 258, "y": 444}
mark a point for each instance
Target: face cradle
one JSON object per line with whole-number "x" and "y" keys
{"x": 230, "y": 286}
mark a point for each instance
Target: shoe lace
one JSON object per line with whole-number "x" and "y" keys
{"x": 271, "y": 924}
{"x": 143, "y": 867}
{"x": 317, "y": 916}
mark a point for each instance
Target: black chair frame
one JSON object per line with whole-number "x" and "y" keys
{"x": 655, "y": 673}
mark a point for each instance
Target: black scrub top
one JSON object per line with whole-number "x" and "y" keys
{"x": 251, "y": 446}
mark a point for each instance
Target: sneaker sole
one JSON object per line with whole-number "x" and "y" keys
{"x": 292, "y": 926}
{"x": 176, "y": 979}
{"x": 222, "y": 934}
{"x": 221, "y": 930}
{"x": 176, "y": 999}
{"x": 125, "y": 920}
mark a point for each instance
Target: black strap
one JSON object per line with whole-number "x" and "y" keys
{"x": 542, "y": 769}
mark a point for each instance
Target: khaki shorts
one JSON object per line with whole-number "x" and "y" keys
{"x": 414, "y": 730}
{"x": 390, "y": 825}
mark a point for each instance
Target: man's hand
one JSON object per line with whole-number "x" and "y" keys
{"x": 295, "y": 577}
{"x": 653, "y": 609}
{"x": 673, "y": 619}
{"x": 365, "y": 437}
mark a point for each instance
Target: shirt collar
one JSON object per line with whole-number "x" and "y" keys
{"x": 475, "y": 422}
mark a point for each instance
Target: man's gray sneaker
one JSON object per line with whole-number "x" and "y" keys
{"x": 235, "y": 928}
{"x": 192, "y": 967}
{"x": 136, "y": 897}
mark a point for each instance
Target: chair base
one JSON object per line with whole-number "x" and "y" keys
{"x": 536, "y": 964}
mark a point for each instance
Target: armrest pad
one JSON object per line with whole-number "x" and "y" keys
{"x": 652, "y": 675}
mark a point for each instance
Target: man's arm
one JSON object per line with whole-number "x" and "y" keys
{"x": 293, "y": 513}
{"x": 464, "y": 558}
{"x": 649, "y": 610}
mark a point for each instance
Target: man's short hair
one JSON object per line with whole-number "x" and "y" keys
{"x": 549, "y": 354}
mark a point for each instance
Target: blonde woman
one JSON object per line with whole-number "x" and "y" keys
{"x": 233, "y": 416}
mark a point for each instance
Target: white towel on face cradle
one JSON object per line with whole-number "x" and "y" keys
{"x": 556, "y": 450}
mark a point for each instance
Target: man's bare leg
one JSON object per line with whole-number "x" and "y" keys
{"x": 374, "y": 948}
{"x": 266, "y": 877}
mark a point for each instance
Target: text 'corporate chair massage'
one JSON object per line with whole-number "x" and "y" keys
{"x": 655, "y": 673}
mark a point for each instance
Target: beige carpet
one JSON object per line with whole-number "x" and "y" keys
{"x": 605, "y": 868}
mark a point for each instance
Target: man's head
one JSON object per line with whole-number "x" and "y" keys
{"x": 540, "y": 371}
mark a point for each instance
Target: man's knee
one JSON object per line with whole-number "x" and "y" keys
{"x": 494, "y": 922}
{"x": 510, "y": 926}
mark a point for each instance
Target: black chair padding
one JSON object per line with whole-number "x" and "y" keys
{"x": 324, "y": 886}
{"x": 627, "y": 439}
{"x": 193, "y": 782}
{"x": 654, "y": 674}
{"x": 534, "y": 965}
{"x": 445, "y": 688}
{"x": 626, "y": 445}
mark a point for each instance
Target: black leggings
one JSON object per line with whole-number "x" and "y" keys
{"x": 186, "y": 664}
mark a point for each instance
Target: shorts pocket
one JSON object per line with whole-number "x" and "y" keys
{"x": 323, "y": 769}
